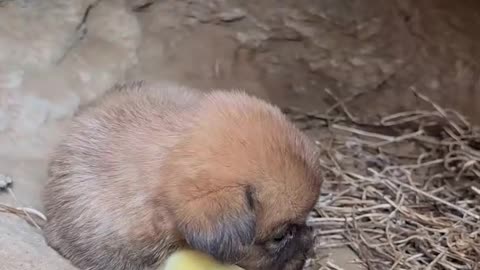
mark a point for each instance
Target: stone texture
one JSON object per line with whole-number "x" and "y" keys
{"x": 23, "y": 247}
{"x": 38, "y": 97}
{"x": 37, "y": 34}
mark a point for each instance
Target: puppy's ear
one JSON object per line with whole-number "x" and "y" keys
{"x": 221, "y": 223}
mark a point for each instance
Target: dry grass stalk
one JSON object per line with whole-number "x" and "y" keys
{"x": 32, "y": 216}
{"x": 404, "y": 192}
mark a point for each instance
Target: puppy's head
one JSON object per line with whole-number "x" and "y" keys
{"x": 241, "y": 183}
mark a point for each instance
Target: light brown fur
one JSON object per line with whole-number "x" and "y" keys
{"x": 146, "y": 170}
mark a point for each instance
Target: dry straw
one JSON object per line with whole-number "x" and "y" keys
{"x": 403, "y": 192}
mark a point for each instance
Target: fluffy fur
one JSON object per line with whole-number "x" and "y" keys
{"x": 147, "y": 170}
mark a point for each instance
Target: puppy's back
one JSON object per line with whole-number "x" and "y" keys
{"x": 97, "y": 200}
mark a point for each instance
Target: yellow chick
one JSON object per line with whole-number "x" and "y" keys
{"x": 194, "y": 260}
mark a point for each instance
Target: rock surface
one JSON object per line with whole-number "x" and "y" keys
{"x": 56, "y": 55}
{"x": 40, "y": 94}
{"x": 23, "y": 247}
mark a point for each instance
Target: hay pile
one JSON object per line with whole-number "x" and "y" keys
{"x": 403, "y": 193}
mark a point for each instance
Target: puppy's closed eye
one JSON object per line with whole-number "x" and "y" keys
{"x": 281, "y": 238}
{"x": 223, "y": 224}
{"x": 286, "y": 234}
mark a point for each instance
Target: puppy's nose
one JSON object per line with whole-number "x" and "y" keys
{"x": 310, "y": 252}
{"x": 307, "y": 239}
{"x": 309, "y": 246}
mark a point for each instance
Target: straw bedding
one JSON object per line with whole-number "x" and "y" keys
{"x": 402, "y": 192}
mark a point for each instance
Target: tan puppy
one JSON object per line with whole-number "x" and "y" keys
{"x": 147, "y": 170}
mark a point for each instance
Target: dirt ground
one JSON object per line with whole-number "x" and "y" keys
{"x": 315, "y": 55}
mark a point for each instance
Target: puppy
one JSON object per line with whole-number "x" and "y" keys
{"x": 147, "y": 170}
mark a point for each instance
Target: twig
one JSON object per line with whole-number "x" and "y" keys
{"x": 426, "y": 194}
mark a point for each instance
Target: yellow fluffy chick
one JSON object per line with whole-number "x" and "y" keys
{"x": 194, "y": 260}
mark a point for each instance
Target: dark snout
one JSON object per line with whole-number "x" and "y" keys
{"x": 307, "y": 241}
{"x": 298, "y": 250}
